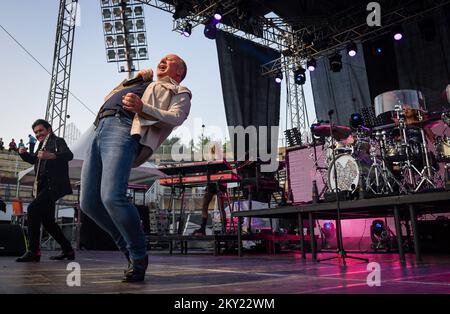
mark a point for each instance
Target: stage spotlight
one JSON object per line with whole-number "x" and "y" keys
{"x": 328, "y": 233}
{"x": 210, "y": 30}
{"x": 279, "y": 77}
{"x": 397, "y": 32}
{"x": 377, "y": 227}
{"x": 335, "y": 62}
{"x": 352, "y": 49}
{"x": 356, "y": 120}
{"x": 187, "y": 30}
{"x": 300, "y": 76}
{"x": 311, "y": 64}
{"x": 218, "y": 14}
{"x": 381, "y": 235}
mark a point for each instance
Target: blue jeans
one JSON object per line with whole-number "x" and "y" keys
{"x": 104, "y": 182}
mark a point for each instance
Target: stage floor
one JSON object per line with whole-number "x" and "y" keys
{"x": 200, "y": 273}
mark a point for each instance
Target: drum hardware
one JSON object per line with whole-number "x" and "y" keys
{"x": 426, "y": 173}
{"x": 408, "y": 167}
{"x": 379, "y": 177}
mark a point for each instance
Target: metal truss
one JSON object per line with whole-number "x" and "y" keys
{"x": 295, "y": 102}
{"x": 260, "y": 30}
{"x": 56, "y": 112}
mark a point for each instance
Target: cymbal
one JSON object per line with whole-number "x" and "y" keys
{"x": 339, "y": 132}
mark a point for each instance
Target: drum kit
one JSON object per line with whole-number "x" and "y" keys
{"x": 392, "y": 158}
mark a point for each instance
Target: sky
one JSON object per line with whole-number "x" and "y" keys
{"x": 24, "y": 85}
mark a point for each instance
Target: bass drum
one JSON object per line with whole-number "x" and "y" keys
{"x": 350, "y": 172}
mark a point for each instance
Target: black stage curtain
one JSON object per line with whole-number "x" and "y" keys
{"x": 249, "y": 98}
{"x": 345, "y": 92}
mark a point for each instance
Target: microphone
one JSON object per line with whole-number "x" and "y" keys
{"x": 330, "y": 112}
{"x": 138, "y": 79}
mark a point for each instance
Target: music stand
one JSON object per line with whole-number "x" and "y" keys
{"x": 341, "y": 252}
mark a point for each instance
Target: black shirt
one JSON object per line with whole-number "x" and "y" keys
{"x": 115, "y": 101}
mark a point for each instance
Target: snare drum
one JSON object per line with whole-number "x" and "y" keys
{"x": 395, "y": 151}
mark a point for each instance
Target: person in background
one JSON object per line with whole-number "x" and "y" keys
{"x": 12, "y": 146}
{"x": 31, "y": 143}
{"x": 21, "y": 144}
{"x": 51, "y": 164}
{"x": 2, "y": 144}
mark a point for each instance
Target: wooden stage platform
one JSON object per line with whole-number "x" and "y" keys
{"x": 201, "y": 273}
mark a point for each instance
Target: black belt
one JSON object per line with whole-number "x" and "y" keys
{"x": 111, "y": 112}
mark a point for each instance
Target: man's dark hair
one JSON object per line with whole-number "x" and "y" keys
{"x": 43, "y": 122}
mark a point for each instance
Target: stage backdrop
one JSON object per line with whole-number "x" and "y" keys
{"x": 249, "y": 98}
{"x": 345, "y": 92}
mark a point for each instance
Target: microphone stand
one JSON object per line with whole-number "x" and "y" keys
{"x": 340, "y": 244}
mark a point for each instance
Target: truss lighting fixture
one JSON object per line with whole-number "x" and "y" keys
{"x": 211, "y": 29}
{"x": 279, "y": 77}
{"x": 311, "y": 64}
{"x": 218, "y": 14}
{"x": 352, "y": 49}
{"x": 397, "y": 32}
{"x": 300, "y": 76}
{"x": 335, "y": 62}
{"x": 187, "y": 30}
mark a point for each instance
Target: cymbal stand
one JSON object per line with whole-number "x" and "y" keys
{"x": 408, "y": 167}
{"x": 426, "y": 173}
{"x": 383, "y": 177}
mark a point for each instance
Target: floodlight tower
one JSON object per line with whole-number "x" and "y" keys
{"x": 124, "y": 33}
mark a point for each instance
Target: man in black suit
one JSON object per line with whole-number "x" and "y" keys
{"x": 52, "y": 182}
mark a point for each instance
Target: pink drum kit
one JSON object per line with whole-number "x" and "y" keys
{"x": 393, "y": 158}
